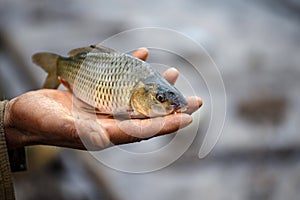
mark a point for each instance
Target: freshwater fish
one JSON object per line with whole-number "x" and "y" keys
{"x": 112, "y": 82}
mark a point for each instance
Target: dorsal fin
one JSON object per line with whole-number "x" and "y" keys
{"x": 102, "y": 49}
{"x": 92, "y": 48}
{"x": 78, "y": 51}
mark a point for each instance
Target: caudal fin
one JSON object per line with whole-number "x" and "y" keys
{"x": 48, "y": 62}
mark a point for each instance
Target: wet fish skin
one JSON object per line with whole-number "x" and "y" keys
{"x": 112, "y": 82}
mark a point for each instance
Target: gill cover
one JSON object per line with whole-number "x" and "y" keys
{"x": 149, "y": 101}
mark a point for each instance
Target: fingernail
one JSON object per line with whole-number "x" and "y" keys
{"x": 200, "y": 102}
{"x": 197, "y": 100}
{"x": 143, "y": 49}
{"x": 173, "y": 69}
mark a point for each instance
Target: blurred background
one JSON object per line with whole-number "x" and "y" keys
{"x": 256, "y": 46}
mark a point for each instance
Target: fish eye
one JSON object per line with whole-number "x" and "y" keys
{"x": 160, "y": 97}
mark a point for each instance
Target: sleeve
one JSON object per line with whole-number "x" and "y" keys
{"x": 6, "y": 184}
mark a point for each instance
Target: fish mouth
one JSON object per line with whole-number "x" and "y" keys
{"x": 178, "y": 108}
{"x": 180, "y": 104}
{"x": 181, "y": 109}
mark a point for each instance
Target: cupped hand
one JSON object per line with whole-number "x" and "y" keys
{"x": 47, "y": 117}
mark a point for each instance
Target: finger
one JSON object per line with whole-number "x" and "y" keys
{"x": 135, "y": 130}
{"x": 194, "y": 103}
{"x": 171, "y": 75}
{"x": 141, "y": 53}
{"x": 92, "y": 134}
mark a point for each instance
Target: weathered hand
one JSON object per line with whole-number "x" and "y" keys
{"x": 47, "y": 117}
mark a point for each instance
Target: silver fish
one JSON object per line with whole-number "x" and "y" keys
{"x": 112, "y": 82}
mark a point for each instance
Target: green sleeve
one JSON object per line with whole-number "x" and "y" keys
{"x": 6, "y": 184}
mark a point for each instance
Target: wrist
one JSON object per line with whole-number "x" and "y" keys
{"x": 14, "y": 137}
{"x": 17, "y": 157}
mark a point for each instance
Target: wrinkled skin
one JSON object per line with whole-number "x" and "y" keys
{"x": 47, "y": 117}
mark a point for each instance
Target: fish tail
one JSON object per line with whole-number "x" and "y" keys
{"x": 48, "y": 62}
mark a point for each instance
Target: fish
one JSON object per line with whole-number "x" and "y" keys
{"x": 111, "y": 82}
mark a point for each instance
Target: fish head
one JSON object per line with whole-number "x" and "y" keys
{"x": 152, "y": 99}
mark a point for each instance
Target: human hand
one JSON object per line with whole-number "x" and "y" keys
{"x": 47, "y": 117}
